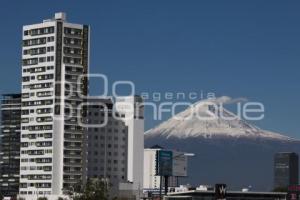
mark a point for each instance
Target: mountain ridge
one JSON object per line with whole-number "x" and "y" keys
{"x": 204, "y": 119}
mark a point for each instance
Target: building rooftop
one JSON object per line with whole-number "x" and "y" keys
{"x": 57, "y": 16}
{"x": 231, "y": 194}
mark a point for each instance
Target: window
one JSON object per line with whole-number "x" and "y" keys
{"x": 25, "y": 78}
{"x": 42, "y": 59}
{"x": 71, "y": 60}
{"x": 45, "y": 77}
{"x": 50, "y": 67}
{"x": 41, "y": 31}
{"x": 50, "y": 49}
{"x": 26, "y": 51}
{"x": 44, "y": 94}
{"x": 50, "y": 58}
{"x": 72, "y": 31}
{"x": 32, "y": 61}
{"x": 35, "y": 51}
{"x": 32, "y": 42}
{"x": 50, "y": 39}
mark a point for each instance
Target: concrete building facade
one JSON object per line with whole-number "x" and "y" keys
{"x": 131, "y": 112}
{"x": 107, "y": 145}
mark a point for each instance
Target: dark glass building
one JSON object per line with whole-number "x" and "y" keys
{"x": 10, "y": 144}
{"x": 286, "y": 171}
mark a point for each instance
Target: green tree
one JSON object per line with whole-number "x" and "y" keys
{"x": 94, "y": 189}
{"x": 42, "y": 198}
{"x": 281, "y": 189}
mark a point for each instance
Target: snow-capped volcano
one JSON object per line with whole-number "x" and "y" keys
{"x": 209, "y": 119}
{"x": 228, "y": 149}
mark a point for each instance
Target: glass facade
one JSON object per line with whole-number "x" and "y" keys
{"x": 285, "y": 170}
{"x": 10, "y": 144}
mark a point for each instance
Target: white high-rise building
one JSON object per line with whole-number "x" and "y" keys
{"x": 131, "y": 111}
{"x": 55, "y": 55}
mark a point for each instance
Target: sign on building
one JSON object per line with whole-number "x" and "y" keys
{"x": 164, "y": 163}
{"x": 179, "y": 164}
{"x": 220, "y": 191}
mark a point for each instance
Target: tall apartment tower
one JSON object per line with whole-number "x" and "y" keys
{"x": 131, "y": 110}
{"x": 107, "y": 145}
{"x": 10, "y": 145}
{"x": 55, "y": 61}
{"x": 286, "y": 169}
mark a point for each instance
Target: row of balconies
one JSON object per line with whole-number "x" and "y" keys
{"x": 39, "y": 31}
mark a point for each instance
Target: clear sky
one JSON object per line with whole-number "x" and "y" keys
{"x": 236, "y": 48}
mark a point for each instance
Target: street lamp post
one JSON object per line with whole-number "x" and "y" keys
{"x": 166, "y": 184}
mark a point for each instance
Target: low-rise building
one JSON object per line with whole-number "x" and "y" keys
{"x": 153, "y": 182}
{"x": 230, "y": 195}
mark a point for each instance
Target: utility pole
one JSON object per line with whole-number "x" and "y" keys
{"x": 163, "y": 168}
{"x": 166, "y": 184}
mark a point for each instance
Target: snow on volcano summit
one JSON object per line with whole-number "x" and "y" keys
{"x": 208, "y": 119}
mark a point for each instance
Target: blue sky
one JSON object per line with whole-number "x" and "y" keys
{"x": 236, "y": 48}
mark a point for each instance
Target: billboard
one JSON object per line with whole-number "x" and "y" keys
{"x": 179, "y": 164}
{"x": 164, "y": 163}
